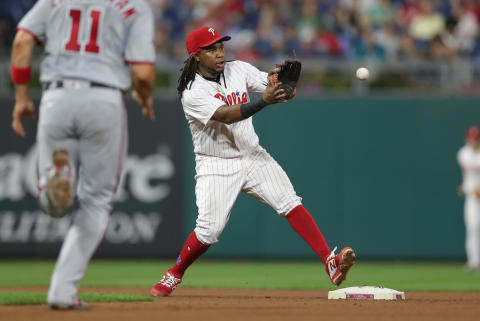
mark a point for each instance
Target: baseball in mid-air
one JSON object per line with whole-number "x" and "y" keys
{"x": 363, "y": 73}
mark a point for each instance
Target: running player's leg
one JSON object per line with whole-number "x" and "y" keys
{"x": 102, "y": 151}
{"x": 56, "y": 155}
{"x": 269, "y": 183}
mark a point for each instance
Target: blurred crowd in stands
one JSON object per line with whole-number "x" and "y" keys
{"x": 274, "y": 29}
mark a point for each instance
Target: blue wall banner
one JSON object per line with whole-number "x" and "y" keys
{"x": 147, "y": 217}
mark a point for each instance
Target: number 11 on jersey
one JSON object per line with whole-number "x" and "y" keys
{"x": 92, "y": 45}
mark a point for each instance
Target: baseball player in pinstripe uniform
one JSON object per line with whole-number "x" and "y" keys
{"x": 229, "y": 159}
{"x": 469, "y": 160}
{"x": 94, "y": 49}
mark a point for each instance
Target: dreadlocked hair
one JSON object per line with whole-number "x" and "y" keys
{"x": 188, "y": 74}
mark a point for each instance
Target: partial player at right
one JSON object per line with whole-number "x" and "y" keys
{"x": 469, "y": 160}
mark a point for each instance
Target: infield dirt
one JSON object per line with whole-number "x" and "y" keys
{"x": 253, "y": 305}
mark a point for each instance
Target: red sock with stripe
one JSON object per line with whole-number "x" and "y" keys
{"x": 191, "y": 251}
{"x": 304, "y": 224}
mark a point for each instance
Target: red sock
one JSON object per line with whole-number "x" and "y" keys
{"x": 191, "y": 251}
{"x": 304, "y": 224}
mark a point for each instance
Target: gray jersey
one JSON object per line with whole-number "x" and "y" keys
{"x": 93, "y": 40}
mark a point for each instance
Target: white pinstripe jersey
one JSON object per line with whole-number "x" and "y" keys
{"x": 92, "y": 39}
{"x": 212, "y": 138}
{"x": 469, "y": 160}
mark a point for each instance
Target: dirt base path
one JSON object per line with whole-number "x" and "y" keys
{"x": 253, "y": 305}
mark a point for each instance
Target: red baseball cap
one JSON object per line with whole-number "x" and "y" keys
{"x": 203, "y": 37}
{"x": 473, "y": 132}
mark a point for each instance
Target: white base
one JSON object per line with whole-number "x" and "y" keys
{"x": 366, "y": 293}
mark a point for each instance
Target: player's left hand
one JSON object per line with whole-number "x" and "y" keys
{"x": 293, "y": 94}
{"x": 23, "y": 107}
{"x": 286, "y": 73}
{"x": 274, "y": 94}
{"x": 477, "y": 192}
{"x": 146, "y": 104}
{"x": 272, "y": 77}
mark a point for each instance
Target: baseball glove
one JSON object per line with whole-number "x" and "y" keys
{"x": 288, "y": 74}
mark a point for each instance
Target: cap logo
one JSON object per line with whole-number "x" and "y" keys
{"x": 212, "y": 31}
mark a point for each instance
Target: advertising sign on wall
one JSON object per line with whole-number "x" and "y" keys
{"x": 147, "y": 216}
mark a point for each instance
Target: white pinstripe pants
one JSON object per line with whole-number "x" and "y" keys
{"x": 220, "y": 180}
{"x": 472, "y": 224}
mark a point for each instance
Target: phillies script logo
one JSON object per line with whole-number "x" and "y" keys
{"x": 233, "y": 99}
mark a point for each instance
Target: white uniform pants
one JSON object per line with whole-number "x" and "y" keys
{"x": 91, "y": 124}
{"x": 219, "y": 182}
{"x": 472, "y": 224}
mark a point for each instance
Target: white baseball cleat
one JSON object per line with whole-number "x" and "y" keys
{"x": 59, "y": 185}
{"x": 337, "y": 266}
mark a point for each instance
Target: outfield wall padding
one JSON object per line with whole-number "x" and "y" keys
{"x": 377, "y": 174}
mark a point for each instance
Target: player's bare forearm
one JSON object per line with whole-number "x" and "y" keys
{"x": 143, "y": 76}
{"x": 143, "y": 79}
{"x": 21, "y": 91}
{"x": 231, "y": 114}
{"x": 228, "y": 114}
{"x": 22, "y": 50}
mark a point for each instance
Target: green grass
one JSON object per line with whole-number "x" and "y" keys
{"x": 33, "y": 298}
{"x": 403, "y": 276}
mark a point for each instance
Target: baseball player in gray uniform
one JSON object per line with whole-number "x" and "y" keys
{"x": 229, "y": 160}
{"x": 94, "y": 50}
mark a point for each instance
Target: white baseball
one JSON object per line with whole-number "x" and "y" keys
{"x": 363, "y": 73}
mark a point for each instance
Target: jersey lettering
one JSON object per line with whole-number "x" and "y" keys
{"x": 220, "y": 96}
{"x": 244, "y": 98}
{"x": 130, "y": 12}
{"x": 122, "y": 4}
{"x": 92, "y": 45}
{"x": 233, "y": 98}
